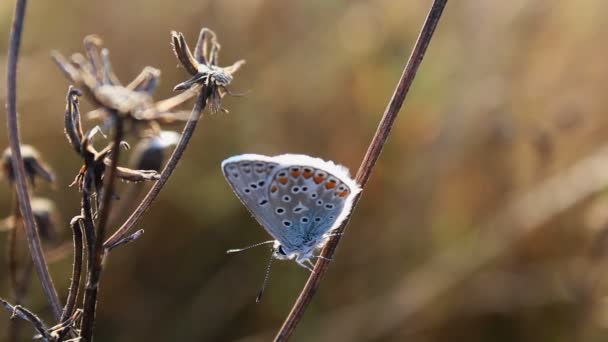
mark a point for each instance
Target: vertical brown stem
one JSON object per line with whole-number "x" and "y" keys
{"x": 70, "y": 304}
{"x": 12, "y": 248}
{"x": 372, "y": 155}
{"x": 13, "y": 265}
{"x": 96, "y": 250}
{"x": 17, "y": 161}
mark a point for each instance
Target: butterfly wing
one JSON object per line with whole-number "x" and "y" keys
{"x": 298, "y": 199}
{"x": 248, "y": 175}
{"x": 316, "y": 196}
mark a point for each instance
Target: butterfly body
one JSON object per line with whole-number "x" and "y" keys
{"x": 298, "y": 199}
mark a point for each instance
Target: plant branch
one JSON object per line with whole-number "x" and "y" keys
{"x": 17, "y": 161}
{"x": 187, "y": 133}
{"x": 95, "y": 265}
{"x": 12, "y": 249}
{"x": 70, "y": 304}
{"x": 371, "y": 156}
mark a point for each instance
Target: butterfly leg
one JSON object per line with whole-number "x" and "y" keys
{"x": 322, "y": 257}
{"x": 302, "y": 263}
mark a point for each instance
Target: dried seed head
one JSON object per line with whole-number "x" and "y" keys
{"x": 149, "y": 154}
{"x": 203, "y": 66}
{"x": 34, "y": 166}
{"x": 45, "y": 215}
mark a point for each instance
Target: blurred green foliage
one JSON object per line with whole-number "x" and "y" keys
{"x": 510, "y": 93}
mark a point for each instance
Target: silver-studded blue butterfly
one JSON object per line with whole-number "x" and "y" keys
{"x": 298, "y": 199}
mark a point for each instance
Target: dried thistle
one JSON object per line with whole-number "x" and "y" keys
{"x": 95, "y": 76}
{"x": 34, "y": 166}
{"x": 203, "y": 66}
{"x": 90, "y": 176}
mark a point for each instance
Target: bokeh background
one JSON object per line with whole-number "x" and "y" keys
{"x": 485, "y": 218}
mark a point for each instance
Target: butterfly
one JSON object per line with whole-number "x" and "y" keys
{"x": 299, "y": 200}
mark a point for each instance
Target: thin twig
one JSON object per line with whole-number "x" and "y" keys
{"x": 17, "y": 161}
{"x": 17, "y": 311}
{"x": 13, "y": 265}
{"x": 70, "y": 304}
{"x": 96, "y": 263}
{"x": 367, "y": 165}
{"x": 12, "y": 248}
{"x": 189, "y": 128}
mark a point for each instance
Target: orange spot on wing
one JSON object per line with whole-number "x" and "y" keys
{"x": 282, "y": 180}
{"x": 307, "y": 173}
{"x": 273, "y": 188}
{"x": 343, "y": 193}
{"x": 319, "y": 178}
{"x": 330, "y": 184}
{"x": 295, "y": 173}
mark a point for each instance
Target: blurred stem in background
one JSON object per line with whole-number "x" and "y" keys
{"x": 17, "y": 162}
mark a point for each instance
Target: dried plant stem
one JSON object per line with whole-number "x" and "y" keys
{"x": 95, "y": 265}
{"x": 13, "y": 265}
{"x": 70, "y": 304}
{"x": 12, "y": 249}
{"x": 373, "y": 152}
{"x": 187, "y": 133}
{"x": 17, "y": 161}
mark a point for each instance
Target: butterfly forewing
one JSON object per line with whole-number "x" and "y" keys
{"x": 249, "y": 178}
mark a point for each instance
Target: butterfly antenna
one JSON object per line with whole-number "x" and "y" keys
{"x": 231, "y": 251}
{"x": 259, "y": 297}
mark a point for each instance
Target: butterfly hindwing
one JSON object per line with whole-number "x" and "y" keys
{"x": 307, "y": 202}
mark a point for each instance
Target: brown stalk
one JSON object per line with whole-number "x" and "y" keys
{"x": 17, "y": 161}
{"x": 371, "y": 156}
{"x": 70, "y": 304}
{"x": 95, "y": 265}
{"x": 13, "y": 265}
{"x": 187, "y": 133}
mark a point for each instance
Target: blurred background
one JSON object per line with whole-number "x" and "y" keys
{"x": 485, "y": 218}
